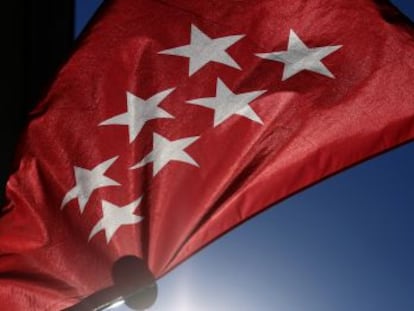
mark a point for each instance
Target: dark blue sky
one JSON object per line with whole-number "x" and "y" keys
{"x": 346, "y": 244}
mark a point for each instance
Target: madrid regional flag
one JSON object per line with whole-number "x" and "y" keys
{"x": 175, "y": 120}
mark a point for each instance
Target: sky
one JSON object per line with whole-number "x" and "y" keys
{"x": 344, "y": 244}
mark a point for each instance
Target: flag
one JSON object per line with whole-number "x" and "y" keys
{"x": 174, "y": 121}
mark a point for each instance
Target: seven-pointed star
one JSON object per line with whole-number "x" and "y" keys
{"x": 165, "y": 150}
{"x": 139, "y": 111}
{"x": 226, "y": 104}
{"x": 87, "y": 181}
{"x": 202, "y": 50}
{"x": 299, "y": 57}
{"x": 114, "y": 217}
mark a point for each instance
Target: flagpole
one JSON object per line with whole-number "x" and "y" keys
{"x": 133, "y": 284}
{"x": 134, "y": 300}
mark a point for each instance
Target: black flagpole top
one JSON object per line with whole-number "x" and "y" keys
{"x": 133, "y": 283}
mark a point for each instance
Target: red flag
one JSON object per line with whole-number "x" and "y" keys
{"x": 174, "y": 121}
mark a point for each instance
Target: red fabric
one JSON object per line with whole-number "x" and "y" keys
{"x": 313, "y": 126}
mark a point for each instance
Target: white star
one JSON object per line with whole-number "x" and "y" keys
{"x": 299, "y": 57}
{"x": 226, "y": 103}
{"x": 139, "y": 111}
{"x": 114, "y": 217}
{"x": 165, "y": 150}
{"x": 202, "y": 50}
{"x": 87, "y": 181}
